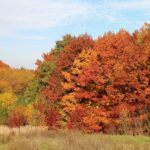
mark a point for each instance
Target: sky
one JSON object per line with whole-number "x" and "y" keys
{"x": 29, "y": 28}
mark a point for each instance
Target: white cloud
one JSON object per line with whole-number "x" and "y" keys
{"x": 43, "y": 14}
{"x": 128, "y": 4}
{"x": 38, "y": 14}
{"x": 123, "y": 10}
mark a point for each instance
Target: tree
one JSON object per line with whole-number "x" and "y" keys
{"x": 16, "y": 118}
{"x": 117, "y": 76}
{"x": 54, "y": 90}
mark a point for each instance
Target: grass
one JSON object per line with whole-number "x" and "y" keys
{"x": 38, "y": 138}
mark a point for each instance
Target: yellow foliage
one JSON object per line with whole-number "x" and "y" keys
{"x": 67, "y": 85}
{"x": 69, "y": 102}
{"x": 4, "y": 86}
{"x": 28, "y": 112}
{"x": 83, "y": 60}
{"x": 17, "y": 79}
{"x": 66, "y": 75}
{"x": 33, "y": 116}
{"x": 7, "y": 99}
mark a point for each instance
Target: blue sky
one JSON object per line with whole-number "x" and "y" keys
{"x": 30, "y": 27}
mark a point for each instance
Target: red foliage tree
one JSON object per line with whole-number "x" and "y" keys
{"x": 51, "y": 118}
{"x": 117, "y": 77}
{"x": 54, "y": 90}
{"x": 16, "y": 119}
{"x": 96, "y": 84}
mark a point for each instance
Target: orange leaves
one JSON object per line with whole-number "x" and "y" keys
{"x": 69, "y": 84}
{"x": 3, "y": 65}
{"x": 107, "y": 77}
{"x": 92, "y": 80}
{"x": 48, "y": 57}
{"x": 66, "y": 75}
{"x": 54, "y": 91}
{"x": 87, "y": 119}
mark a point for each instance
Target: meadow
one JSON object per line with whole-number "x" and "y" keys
{"x": 39, "y": 138}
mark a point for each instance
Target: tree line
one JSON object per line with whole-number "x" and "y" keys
{"x": 100, "y": 85}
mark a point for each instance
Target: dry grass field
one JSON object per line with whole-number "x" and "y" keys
{"x": 39, "y": 138}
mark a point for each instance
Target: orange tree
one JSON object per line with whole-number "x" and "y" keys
{"x": 116, "y": 77}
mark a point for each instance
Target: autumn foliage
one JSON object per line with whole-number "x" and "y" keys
{"x": 3, "y": 65}
{"x": 54, "y": 90}
{"x": 16, "y": 119}
{"x": 94, "y": 84}
{"x": 100, "y": 85}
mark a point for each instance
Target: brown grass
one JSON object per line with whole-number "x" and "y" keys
{"x": 39, "y": 138}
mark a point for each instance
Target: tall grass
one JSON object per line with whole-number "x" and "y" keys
{"x": 39, "y": 138}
